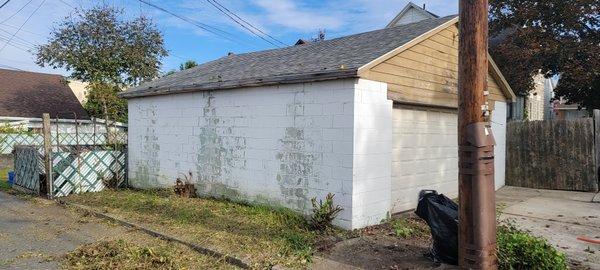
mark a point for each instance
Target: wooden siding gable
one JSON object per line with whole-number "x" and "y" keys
{"x": 425, "y": 70}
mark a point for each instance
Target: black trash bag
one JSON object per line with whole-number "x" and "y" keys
{"x": 441, "y": 214}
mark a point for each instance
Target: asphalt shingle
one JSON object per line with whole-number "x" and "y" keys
{"x": 30, "y": 94}
{"x": 340, "y": 54}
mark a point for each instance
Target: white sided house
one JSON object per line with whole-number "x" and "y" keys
{"x": 371, "y": 118}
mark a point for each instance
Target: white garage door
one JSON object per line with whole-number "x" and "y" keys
{"x": 425, "y": 154}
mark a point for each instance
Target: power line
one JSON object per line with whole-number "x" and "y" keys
{"x": 4, "y": 3}
{"x": 71, "y": 6}
{"x": 22, "y": 40}
{"x": 10, "y": 67}
{"x": 16, "y": 46}
{"x": 30, "y": 15}
{"x": 10, "y": 17}
{"x": 249, "y": 24}
{"x": 19, "y": 45}
{"x": 177, "y": 56}
{"x": 241, "y": 24}
{"x": 200, "y": 25}
{"x": 22, "y": 30}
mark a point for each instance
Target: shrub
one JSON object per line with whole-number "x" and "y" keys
{"x": 518, "y": 249}
{"x": 324, "y": 212}
{"x": 7, "y": 128}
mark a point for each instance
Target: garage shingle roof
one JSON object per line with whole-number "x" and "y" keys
{"x": 329, "y": 59}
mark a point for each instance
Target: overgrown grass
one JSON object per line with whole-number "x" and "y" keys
{"x": 120, "y": 254}
{"x": 260, "y": 233}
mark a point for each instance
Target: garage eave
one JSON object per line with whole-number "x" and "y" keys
{"x": 250, "y": 82}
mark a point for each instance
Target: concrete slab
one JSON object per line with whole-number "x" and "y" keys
{"x": 511, "y": 195}
{"x": 596, "y": 198}
{"x": 559, "y": 216}
{"x": 561, "y": 210}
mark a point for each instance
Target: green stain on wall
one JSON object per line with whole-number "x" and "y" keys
{"x": 217, "y": 155}
{"x": 296, "y": 167}
{"x": 148, "y": 169}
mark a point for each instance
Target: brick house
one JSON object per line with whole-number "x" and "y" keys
{"x": 370, "y": 117}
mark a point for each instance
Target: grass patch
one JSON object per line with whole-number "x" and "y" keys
{"x": 120, "y": 254}
{"x": 407, "y": 227}
{"x": 264, "y": 235}
{"x": 4, "y": 179}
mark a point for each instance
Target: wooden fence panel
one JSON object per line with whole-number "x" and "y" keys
{"x": 551, "y": 155}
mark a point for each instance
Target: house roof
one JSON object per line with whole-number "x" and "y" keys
{"x": 326, "y": 60}
{"x": 30, "y": 94}
{"x": 407, "y": 8}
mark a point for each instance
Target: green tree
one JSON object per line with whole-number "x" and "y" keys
{"x": 188, "y": 64}
{"x": 98, "y": 46}
{"x": 104, "y": 102}
{"x": 183, "y": 66}
{"x": 554, "y": 37}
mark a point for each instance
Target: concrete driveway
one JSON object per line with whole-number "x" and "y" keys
{"x": 35, "y": 233}
{"x": 559, "y": 216}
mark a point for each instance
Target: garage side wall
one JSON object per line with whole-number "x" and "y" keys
{"x": 371, "y": 196}
{"x": 280, "y": 145}
{"x": 499, "y": 131}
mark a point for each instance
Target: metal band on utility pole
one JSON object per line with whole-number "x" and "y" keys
{"x": 477, "y": 220}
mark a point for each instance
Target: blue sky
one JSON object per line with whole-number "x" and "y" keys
{"x": 286, "y": 20}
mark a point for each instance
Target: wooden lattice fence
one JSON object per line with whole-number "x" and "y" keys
{"x": 88, "y": 170}
{"x": 9, "y": 140}
{"x": 81, "y": 162}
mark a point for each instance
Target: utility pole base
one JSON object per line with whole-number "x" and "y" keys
{"x": 477, "y": 242}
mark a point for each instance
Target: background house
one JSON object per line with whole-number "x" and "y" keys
{"x": 537, "y": 104}
{"x": 370, "y": 117}
{"x": 30, "y": 94}
{"x": 80, "y": 90}
{"x": 25, "y": 96}
{"x": 411, "y": 13}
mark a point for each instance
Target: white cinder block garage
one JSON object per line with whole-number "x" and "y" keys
{"x": 370, "y": 118}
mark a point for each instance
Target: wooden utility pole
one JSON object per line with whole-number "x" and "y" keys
{"x": 477, "y": 221}
{"x": 47, "y": 152}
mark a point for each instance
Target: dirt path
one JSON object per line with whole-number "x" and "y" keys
{"x": 36, "y": 232}
{"x": 560, "y": 217}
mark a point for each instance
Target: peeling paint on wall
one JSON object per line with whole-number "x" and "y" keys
{"x": 295, "y": 168}
{"x": 217, "y": 154}
{"x": 148, "y": 169}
